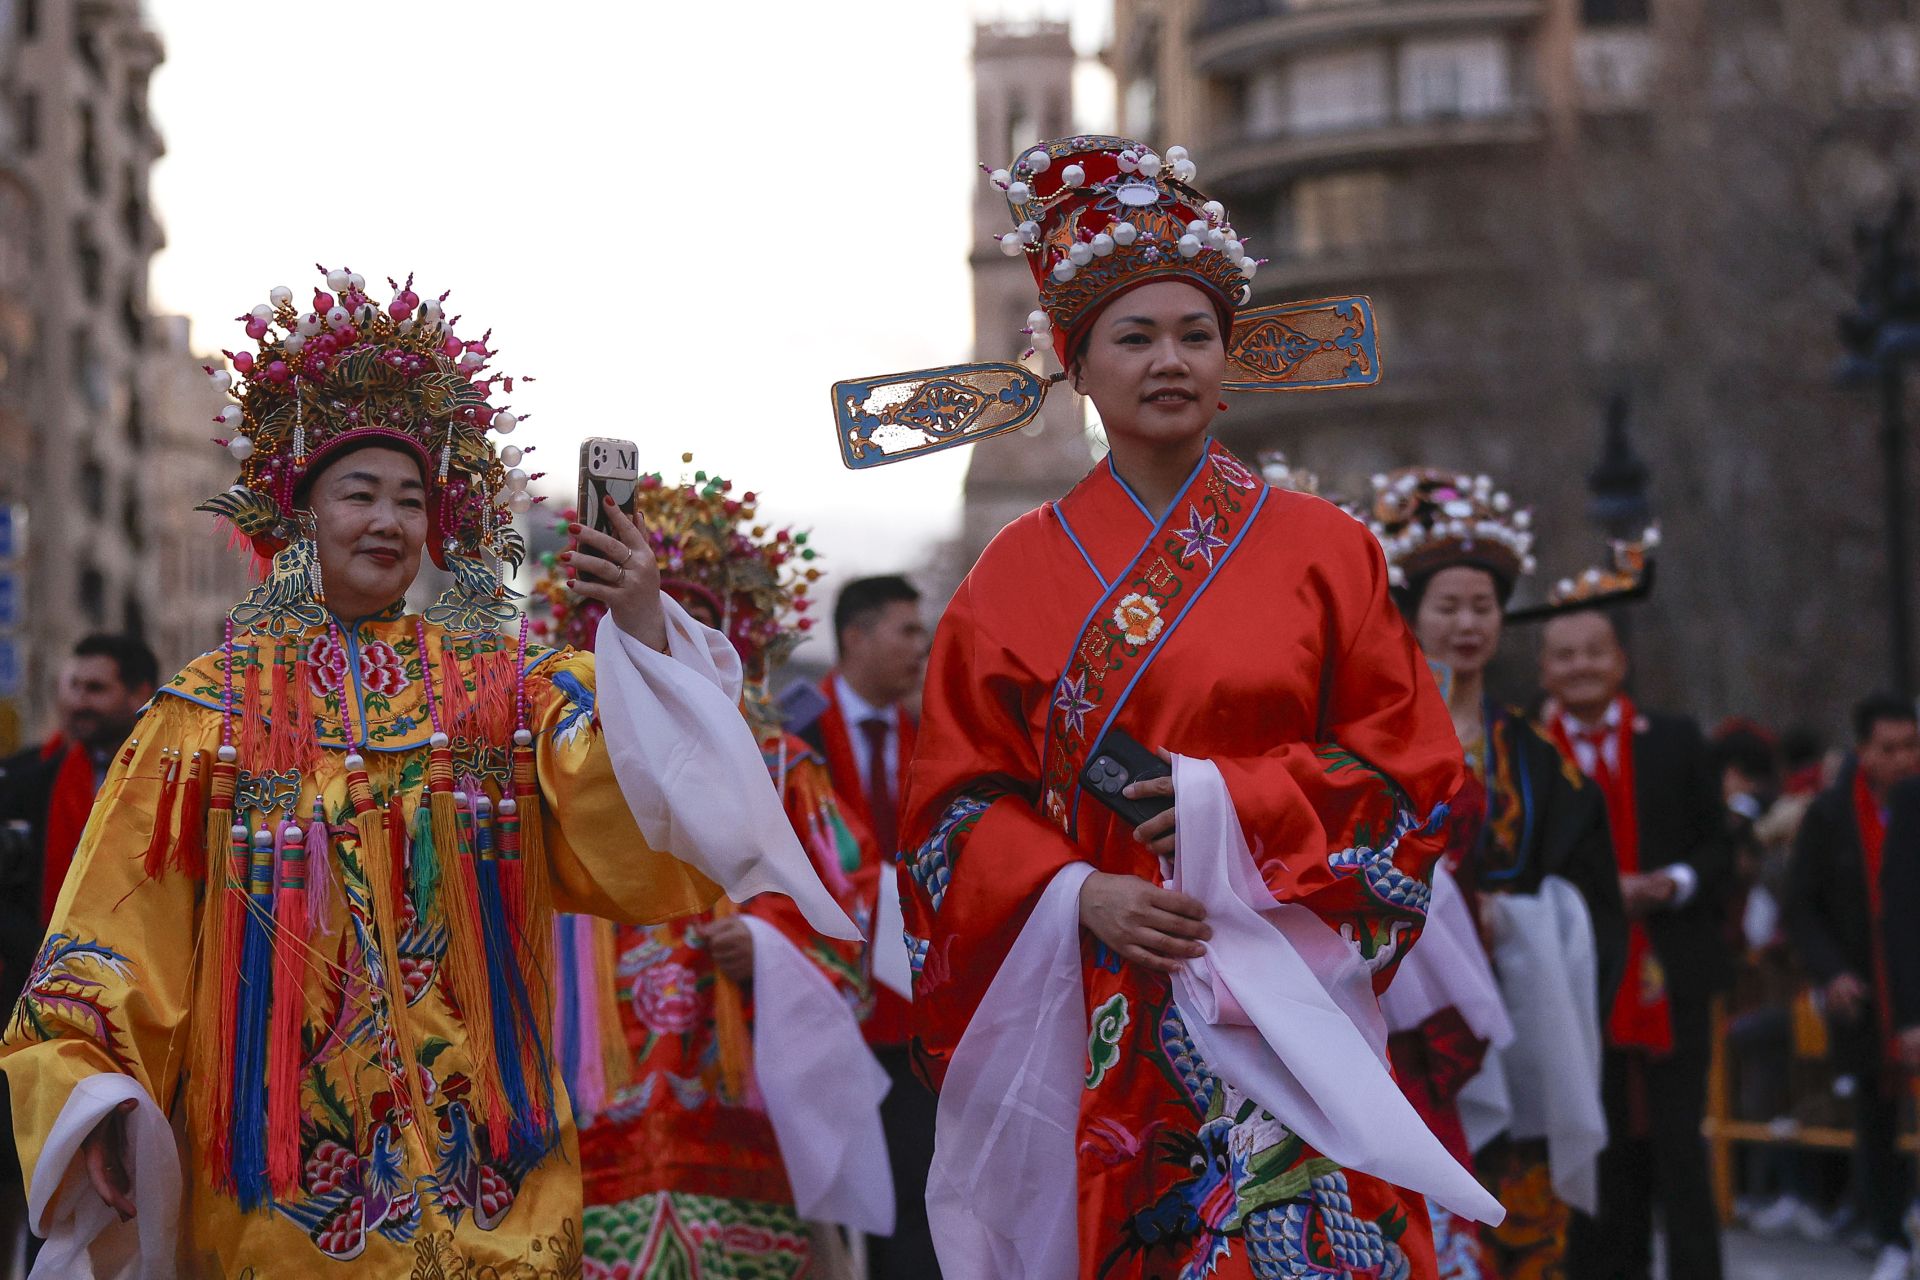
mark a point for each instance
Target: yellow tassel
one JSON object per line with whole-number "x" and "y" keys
{"x": 536, "y": 928}
{"x": 466, "y": 958}
{"x": 615, "y": 1052}
{"x": 730, "y": 1023}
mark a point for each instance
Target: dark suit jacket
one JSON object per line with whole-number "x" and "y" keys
{"x": 1900, "y": 902}
{"x": 1683, "y": 819}
{"x": 26, "y": 795}
{"x": 1826, "y": 907}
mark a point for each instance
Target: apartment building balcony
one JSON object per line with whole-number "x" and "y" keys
{"x": 1234, "y": 35}
{"x": 1257, "y": 157}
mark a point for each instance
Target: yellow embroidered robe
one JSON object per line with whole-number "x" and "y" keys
{"x": 114, "y": 989}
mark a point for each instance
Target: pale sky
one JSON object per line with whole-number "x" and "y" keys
{"x": 685, "y": 220}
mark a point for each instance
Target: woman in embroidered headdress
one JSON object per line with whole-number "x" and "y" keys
{"x": 727, "y": 1099}
{"x": 1535, "y": 867}
{"x": 1158, "y": 1046}
{"x": 310, "y": 921}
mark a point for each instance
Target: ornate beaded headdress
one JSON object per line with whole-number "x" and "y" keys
{"x": 1627, "y": 576}
{"x": 347, "y": 372}
{"x": 1094, "y": 217}
{"x": 1427, "y": 520}
{"x": 716, "y": 554}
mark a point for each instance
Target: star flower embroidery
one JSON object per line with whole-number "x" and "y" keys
{"x": 1199, "y": 538}
{"x": 1070, "y": 700}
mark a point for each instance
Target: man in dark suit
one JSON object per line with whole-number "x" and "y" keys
{"x": 1853, "y": 885}
{"x": 866, "y": 733}
{"x": 1670, "y": 842}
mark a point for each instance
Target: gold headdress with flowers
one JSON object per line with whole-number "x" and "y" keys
{"x": 350, "y": 371}
{"x": 1427, "y": 519}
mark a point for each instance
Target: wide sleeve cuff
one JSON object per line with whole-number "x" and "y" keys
{"x": 84, "y": 1235}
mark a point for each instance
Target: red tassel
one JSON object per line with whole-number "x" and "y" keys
{"x": 456, "y": 706}
{"x": 190, "y": 851}
{"x": 283, "y": 742}
{"x": 224, "y": 969}
{"x": 289, "y": 1008}
{"x": 250, "y": 744}
{"x": 495, "y": 676}
{"x": 161, "y": 839}
{"x": 400, "y": 852}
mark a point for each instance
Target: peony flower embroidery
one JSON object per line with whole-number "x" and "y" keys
{"x": 1138, "y": 618}
{"x": 326, "y": 665}
{"x": 664, "y": 998}
{"x": 1233, "y": 473}
{"x": 382, "y": 670}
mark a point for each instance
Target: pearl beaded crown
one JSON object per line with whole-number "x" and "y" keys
{"x": 1096, "y": 216}
{"x": 1427, "y": 520}
{"x": 351, "y": 370}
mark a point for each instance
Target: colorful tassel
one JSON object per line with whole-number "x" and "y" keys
{"x": 190, "y": 848}
{"x": 466, "y": 957}
{"x": 210, "y": 1077}
{"x": 250, "y": 1032}
{"x": 535, "y": 875}
{"x": 616, "y": 1058}
{"x": 519, "y": 1044}
{"x": 730, "y": 1024}
{"x": 285, "y": 750}
{"x": 325, "y": 901}
{"x": 284, "y": 1050}
{"x": 161, "y": 841}
{"x": 423, "y": 863}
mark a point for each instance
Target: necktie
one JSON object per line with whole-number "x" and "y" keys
{"x": 880, "y": 799}
{"x": 1602, "y": 770}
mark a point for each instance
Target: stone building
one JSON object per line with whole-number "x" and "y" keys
{"x": 97, "y": 398}
{"x": 1558, "y": 205}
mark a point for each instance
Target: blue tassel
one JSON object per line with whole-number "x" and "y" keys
{"x": 250, "y": 1032}
{"x": 533, "y": 1129}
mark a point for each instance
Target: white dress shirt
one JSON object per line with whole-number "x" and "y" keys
{"x": 1685, "y": 879}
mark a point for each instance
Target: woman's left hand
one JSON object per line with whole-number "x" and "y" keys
{"x": 1156, "y": 832}
{"x": 731, "y": 943}
{"x": 619, "y": 572}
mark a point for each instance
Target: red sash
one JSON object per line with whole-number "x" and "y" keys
{"x": 67, "y": 813}
{"x": 1641, "y": 1017}
{"x": 1873, "y": 839}
{"x": 1127, "y": 627}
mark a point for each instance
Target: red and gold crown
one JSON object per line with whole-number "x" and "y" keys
{"x": 716, "y": 557}
{"x": 350, "y": 371}
{"x": 1097, "y": 216}
{"x": 1428, "y": 520}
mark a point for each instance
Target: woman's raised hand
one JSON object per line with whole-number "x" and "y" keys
{"x": 1140, "y": 922}
{"x": 619, "y": 572}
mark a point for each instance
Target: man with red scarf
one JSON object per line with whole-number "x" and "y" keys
{"x": 46, "y": 793}
{"x": 1671, "y": 844}
{"x": 1837, "y": 918}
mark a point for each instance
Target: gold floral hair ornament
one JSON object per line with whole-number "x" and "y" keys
{"x": 1427, "y": 520}
{"x": 350, "y": 371}
{"x": 1627, "y": 577}
{"x": 1094, "y": 217}
{"x": 715, "y": 555}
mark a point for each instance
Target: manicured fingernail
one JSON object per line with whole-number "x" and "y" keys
{"x": 573, "y": 528}
{"x": 566, "y": 555}
{"x": 608, "y": 501}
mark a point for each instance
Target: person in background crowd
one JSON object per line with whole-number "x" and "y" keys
{"x": 1836, "y": 916}
{"x": 866, "y": 733}
{"x": 46, "y": 793}
{"x": 1667, "y": 815}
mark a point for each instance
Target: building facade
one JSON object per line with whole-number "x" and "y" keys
{"x": 1570, "y": 212}
{"x": 97, "y": 395}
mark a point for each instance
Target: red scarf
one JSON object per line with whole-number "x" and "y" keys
{"x": 67, "y": 811}
{"x": 1873, "y": 842}
{"x": 1642, "y": 1017}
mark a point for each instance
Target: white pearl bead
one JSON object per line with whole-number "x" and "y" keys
{"x": 354, "y": 760}
{"x": 227, "y": 755}
{"x": 1216, "y": 239}
{"x": 292, "y": 833}
{"x": 262, "y": 837}
{"x": 405, "y": 326}
{"x": 482, "y": 805}
{"x": 1214, "y": 209}
{"x": 1039, "y": 322}
{"x": 1184, "y": 171}
{"x": 519, "y": 502}
{"x": 1029, "y": 232}
{"x": 508, "y": 806}
{"x": 355, "y": 280}
{"x": 1080, "y": 253}
{"x": 308, "y": 326}
{"x": 229, "y": 415}
{"x": 1064, "y": 272}
{"x": 1150, "y": 165}
{"x": 516, "y": 479}
{"x": 1189, "y": 245}
{"x": 336, "y": 279}
{"x": 1198, "y": 227}
{"x": 432, "y": 308}
{"x": 1234, "y": 249}
{"x": 280, "y": 295}
{"x": 505, "y": 422}
{"x": 241, "y": 448}
{"x": 262, "y": 312}
{"x": 1010, "y": 244}
{"x": 1126, "y": 162}
{"x": 472, "y": 360}
{"x": 1073, "y": 175}
{"x": 1038, "y": 161}
{"x": 1124, "y": 233}
{"x": 438, "y": 740}
{"x": 294, "y": 344}
{"x": 1000, "y": 178}
{"x": 1102, "y": 245}
{"x": 523, "y": 737}
{"x": 1176, "y": 154}
{"x": 221, "y": 379}
{"x": 511, "y": 455}
{"x": 1248, "y": 266}
{"x": 337, "y": 317}
{"x": 1017, "y": 192}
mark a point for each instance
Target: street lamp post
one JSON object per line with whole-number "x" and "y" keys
{"x": 1618, "y": 483}
{"x": 1881, "y": 333}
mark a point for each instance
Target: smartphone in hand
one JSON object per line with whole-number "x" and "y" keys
{"x": 1116, "y": 763}
{"x": 608, "y": 469}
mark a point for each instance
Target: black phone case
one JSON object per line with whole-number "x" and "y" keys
{"x": 1115, "y": 763}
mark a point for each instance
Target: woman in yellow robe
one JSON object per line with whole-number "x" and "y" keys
{"x": 307, "y": 926}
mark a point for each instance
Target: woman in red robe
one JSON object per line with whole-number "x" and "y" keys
{"x": 1247, "y": 634}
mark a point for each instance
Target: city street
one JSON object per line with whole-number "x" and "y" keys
{"x": 1752, "y": 1257}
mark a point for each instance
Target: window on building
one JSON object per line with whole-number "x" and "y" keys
{"x": 133, "y": 618}
{"x": 133, "y": 319}
{"x": 87, "y": 260}
{"x": 27, "y": 18}
{"x": 1265, "y": 110}
{"x": 1339, "y": 213}
{"x": 1603, "y": 13}
{"x": 130, "y": 525}
{"x": 90, "y": 169}
{"x": 1464, "y": 78}
{"x": 1344, "y": 90}
{"x": 26, "y": 121}
{"x": 136, "y": 426}
{"x": 86, "y": 46}
{"x": 93, "y": 488}
{"x": 93, "y": 596}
